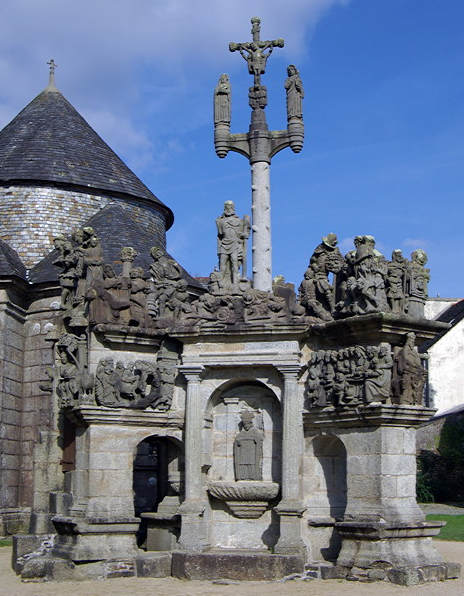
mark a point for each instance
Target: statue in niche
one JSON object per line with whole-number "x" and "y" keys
{"x": 397, "y": 282}
{"x": 248, "y": 450}
{"x": 222, "y": 101}
{"x": 420, "y": 277}
{"x": 295, "y": 93}
{"x": 233, "y": 234}
{"x": 409, "y": 375}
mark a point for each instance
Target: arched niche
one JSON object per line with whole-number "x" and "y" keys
{"x": 158, "y": 476}
{"x": 327, "y": 474}
{"x": 325, "y": 488}
{"x": 224, "y": 411}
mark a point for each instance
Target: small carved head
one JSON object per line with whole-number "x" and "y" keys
{"x": 229, "y": 208}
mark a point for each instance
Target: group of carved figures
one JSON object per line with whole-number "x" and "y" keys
{"x": 363, "y": 281}
{"x": 136, "y": 385}
{"x": 359, "y": 375}
{"x": 93, "y": 293}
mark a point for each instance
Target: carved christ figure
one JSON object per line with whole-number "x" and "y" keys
{"x": 248, "y": 450}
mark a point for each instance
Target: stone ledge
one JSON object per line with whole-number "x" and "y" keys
{"x": 241, "y": 566}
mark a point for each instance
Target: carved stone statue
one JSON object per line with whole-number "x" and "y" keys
{"x": 420, "y": 277}
{"x": 135, "y": 385}
{"x": 222, "y": 101}
{"x": 233, "y": 233}
{"x": 397, "y": 282}
{"x": 325, "y": 259}
{"x": 248, "y": 450}
{"x": 73, "y": 381}
{"x": 295, "y": 93}
{"x": 165, "y": 273}
{"x": 377, "y": 385}
{"x": 408, "y": 374}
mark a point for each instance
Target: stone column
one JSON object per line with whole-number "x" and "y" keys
{"x": 193, "y": 535}
{"x": 290, "y": 509}
{"x": 261, "y": 226}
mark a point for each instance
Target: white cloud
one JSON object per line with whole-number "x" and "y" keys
{"x": 110, "y": 54}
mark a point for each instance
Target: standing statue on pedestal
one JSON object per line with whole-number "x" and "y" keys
{"x": 248, "y": 450}
{"x": 233, "y": 233}
{"x": 222, "y": 101}
{"x": 420, "y": 277}
{"x": 295, "y": 93}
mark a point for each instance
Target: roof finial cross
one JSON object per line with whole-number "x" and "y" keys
{"x": 255, "y": 51}
{"x": 51, "y": 78}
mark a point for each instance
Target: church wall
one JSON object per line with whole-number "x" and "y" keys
{"x": 11, "y": 363}
{"x": 33, "y": 215}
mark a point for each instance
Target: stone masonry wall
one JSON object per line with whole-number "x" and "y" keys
{"x": 11, "y": 362}
{"x": 39, "y": 412}
{"x": 32, "y": 216}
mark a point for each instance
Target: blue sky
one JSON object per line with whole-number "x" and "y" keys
{"x": 384, "y": 114}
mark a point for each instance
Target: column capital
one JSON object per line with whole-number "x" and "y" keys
{"x": 192, "y": 372}
{"x": 292, "y": 370}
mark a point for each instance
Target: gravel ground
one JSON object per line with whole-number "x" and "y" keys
{"x": 11, "y": 585}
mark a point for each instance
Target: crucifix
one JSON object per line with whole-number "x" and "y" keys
{"x": 260, "y": 144}
{"x": 255, "y": 56}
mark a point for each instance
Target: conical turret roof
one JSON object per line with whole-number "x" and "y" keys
{"x": 49, "y": 141}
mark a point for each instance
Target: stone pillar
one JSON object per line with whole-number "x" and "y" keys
{"x": 382, "y": 521}
{"x": 192, "y": 537}
{"x": 261, "y": 226}
{"x": 290, "y": 509}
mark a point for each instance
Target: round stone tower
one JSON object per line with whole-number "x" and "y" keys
{"x": 56, "y": 173}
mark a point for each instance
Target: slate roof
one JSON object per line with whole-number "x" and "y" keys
{"x": 10, "y": 263}
{"x": 49, "y": 141}
{"x": 115, "y": 227}
{"x": 452, "y": 315}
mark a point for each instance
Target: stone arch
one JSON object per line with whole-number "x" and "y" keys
{"x": 223, "y": 422}
{"x": 328, "y": 491}
{"x": 158, "y": 475}
{"x": 325, "y": 493}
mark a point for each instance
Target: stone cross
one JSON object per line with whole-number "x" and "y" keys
{"x": 253, "y": 52}
{"x": 260, "y": 144}
{"x": 51, "y": 79}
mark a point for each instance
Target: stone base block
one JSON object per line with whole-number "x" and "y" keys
{"x": 403, "y": 576}
{"x": 235, "y": 565}
{"x": 50, "y": 568}
{"x": 13, "y": 521}
{"x": 153, "y": 565}
{"x": 367, "y": 545}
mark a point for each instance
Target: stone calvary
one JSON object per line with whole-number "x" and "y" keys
{"x": 222, "y": 427}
